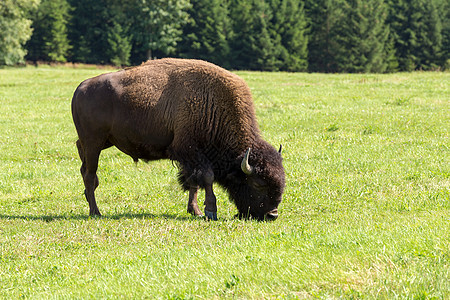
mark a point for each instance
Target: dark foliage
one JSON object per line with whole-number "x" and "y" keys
{"x": 272, "y": 35}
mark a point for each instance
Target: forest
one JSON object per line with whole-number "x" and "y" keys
{"x": 329, "y": 36}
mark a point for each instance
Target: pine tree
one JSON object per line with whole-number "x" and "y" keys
{"x": 49, "y": 41}
{"x": 15, "y": 29}
{"x": 391, "y": 58}
{"x": 87, "y": 31}
{"x": 156, "y": 27}
{"x": 119, "y": 50}
{"x": 99, "y": 31}
{"x": 362, "y": 37}
{"x": 288, "y": 30}
{"x": 444, "y": 8}
{"x": 251, "y": 46}
{"x": 416, "y": 29}
{"x": 403, "y": 36}
{"x": 324, "y": 16}
{"x": 429, "y": 37}
{"x": 207, "y": 33}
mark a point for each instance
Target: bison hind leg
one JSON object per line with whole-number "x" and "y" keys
{"x": 89, "y": 158}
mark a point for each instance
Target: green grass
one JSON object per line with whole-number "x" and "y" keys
{"x": 366, "y": 213}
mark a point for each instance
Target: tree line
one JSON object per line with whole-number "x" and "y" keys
{"x": 270, "y": 35}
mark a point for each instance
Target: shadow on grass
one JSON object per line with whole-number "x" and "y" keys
{"x": 50, "y": 218}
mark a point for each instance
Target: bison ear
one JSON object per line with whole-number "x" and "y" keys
{"x": 245, "y": 166}
{"x": 281, "y": 149}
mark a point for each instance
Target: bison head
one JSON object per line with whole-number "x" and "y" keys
{"x": 258, "y": 187}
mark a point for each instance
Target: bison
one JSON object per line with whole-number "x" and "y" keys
{"x": 191, "y": 112}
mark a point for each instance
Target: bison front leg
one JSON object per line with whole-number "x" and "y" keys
{"x": 210, "y": 203}
{"x": 192, "y": 204}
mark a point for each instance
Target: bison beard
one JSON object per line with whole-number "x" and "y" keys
{"x": 189, "y": 111}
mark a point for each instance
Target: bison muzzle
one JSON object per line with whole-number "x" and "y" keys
{"x": 189, "y": 111}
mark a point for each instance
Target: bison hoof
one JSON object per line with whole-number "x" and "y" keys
{"x": 195, "y": 212}
{"x": 211, "y": 215}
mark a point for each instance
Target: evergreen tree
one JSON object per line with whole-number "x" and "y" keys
{"x": 87, "y": 31}
{"x": 206, "y": 34}
{"x": 99, "y": 32}
{"x": 391, "y": 58}
{"x": 444, "y": 8}
{"x": 49, "y": 41}
{"x": 156, "y": 27}
{"x": 403, "y": 36}
{"x": 252, "y": 47}
{"x": 119, "y": 50}
{"x": 15, "y": 29}
{"x": 288, "y": 29}
{"x": 325, "y": 17}
{"x": 416, "y": 30}
{"x": 429, "y": 37}
{"x": 362, "y": 37}
{"x": 117, "y": 30}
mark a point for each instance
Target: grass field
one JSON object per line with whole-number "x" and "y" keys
{"x": 366, "y": 212}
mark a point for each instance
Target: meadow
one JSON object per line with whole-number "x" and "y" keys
{"x": 366, "y": 211}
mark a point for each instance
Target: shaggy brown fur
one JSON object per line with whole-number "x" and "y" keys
{"x": 190, "y": 111}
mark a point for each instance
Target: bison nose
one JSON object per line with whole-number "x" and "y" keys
{"x": 272, "y": 215}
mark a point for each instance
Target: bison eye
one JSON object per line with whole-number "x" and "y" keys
{"x": 259, "y": 183}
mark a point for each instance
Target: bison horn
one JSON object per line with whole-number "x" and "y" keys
{"x": 281, "y": 148}
{"x": 246, "y": 168}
